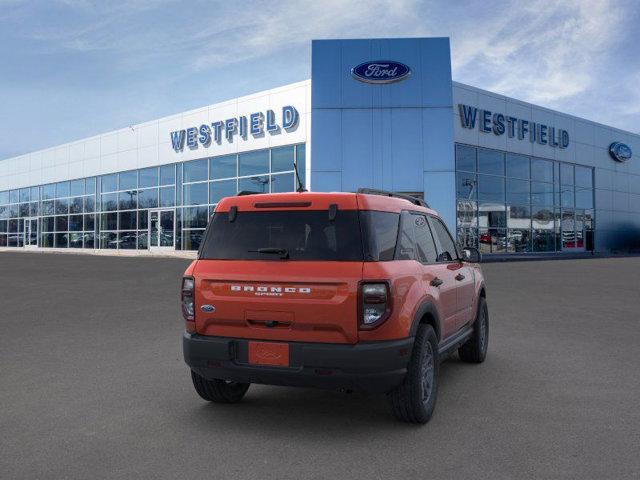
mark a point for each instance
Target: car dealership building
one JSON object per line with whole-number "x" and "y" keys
{"x": 506, "y": 175}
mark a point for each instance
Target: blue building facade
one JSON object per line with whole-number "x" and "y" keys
{"x": 395, "y": 136}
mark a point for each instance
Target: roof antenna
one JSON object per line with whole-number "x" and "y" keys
{"x": 300, "y": 188}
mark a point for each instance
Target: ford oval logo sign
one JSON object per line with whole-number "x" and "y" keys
{"x": 620, "y": 151}
{"x": 380, "y": 71}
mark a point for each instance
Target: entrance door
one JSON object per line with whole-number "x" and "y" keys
{"x": 572, "y": 227}
{"x": 30, "y": 232}
{"x": 162, "y": 229}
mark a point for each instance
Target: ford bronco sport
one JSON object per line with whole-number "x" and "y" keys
{"x": 356, "y": 291}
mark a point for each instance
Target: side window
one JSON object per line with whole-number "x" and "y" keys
{"x": 380, "y": 231}
{"x": 446, "y": 247}
{"x": 406, "y": 240}
{"x": 424, "y": 241}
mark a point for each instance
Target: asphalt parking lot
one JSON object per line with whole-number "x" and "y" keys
{"x": 93, "y": 385}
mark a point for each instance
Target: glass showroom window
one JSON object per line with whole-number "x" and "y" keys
{"x": 112, "y": 211}
{"x": 269, "y": 170}
{"x": 62, "y": 210}
{"x": 467, "y": 194}
{"x": 282, "y": 175}
{"x": 514, "y": 203}
{"x": 195, "y": 193}
{"x": 124, "y": 202}
{"x": 4, "y": 218}
{"x": 518, "y": 189}
{"x": 492, "y": 212}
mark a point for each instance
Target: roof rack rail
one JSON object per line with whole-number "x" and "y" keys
{"x": 248, "y": 192}
{"x": 385, "y": 193}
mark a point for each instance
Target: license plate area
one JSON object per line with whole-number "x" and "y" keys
{"x": 269, "y": 353}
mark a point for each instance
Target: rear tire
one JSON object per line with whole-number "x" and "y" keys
{"x": 475, "y": 349}
{"x": 219, "y": 391}
{"x": 415, "y": 399}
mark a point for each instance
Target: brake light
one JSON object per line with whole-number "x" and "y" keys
{"x": 375, "y": 304}
{"x": 188, "y": 284}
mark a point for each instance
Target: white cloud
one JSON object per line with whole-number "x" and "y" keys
{"x": 266, "y": 30}
{"x": 544, "y": 52}
{"x": 219, "y": 34}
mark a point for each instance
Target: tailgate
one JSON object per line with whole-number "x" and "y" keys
{"x": 301, "y": 301}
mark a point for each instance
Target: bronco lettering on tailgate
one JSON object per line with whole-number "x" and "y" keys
{"x": 267, "y": 290}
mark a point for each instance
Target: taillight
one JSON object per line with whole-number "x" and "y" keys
{"x": 188, "y": 284}
{"x": 375, "y": 304}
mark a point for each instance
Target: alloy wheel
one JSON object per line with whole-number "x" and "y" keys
{"x": 428, "y": 371}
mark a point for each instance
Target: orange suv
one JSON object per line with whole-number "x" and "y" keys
{"x": 357, "y": 291}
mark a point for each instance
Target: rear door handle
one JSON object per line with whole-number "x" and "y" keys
{"x": 436, "y": 282}
{"x": 460, "y": 277}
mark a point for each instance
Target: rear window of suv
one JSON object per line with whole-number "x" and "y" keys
{"x": 302, "y": 234}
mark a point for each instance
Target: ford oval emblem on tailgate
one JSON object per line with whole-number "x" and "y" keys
{"x": 208, "y": 308}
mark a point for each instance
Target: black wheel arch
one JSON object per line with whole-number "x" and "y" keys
{"x": 482, "y": 291}
{"x": 427, "y": 313}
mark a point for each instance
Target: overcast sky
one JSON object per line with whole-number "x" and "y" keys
{"x": 74, "y": 68}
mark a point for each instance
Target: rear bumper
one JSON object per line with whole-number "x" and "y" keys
{"x": 373, "y": 367}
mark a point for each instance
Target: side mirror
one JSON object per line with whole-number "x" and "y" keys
{"x": 471, "y": 255}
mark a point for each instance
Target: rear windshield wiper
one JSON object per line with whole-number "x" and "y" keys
{"x": 283, "y": 252}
